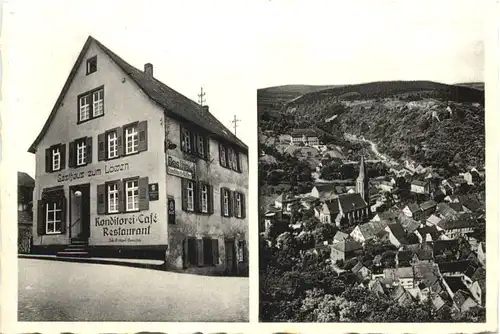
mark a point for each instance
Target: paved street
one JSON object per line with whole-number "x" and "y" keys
{"x": 66, "y": 291}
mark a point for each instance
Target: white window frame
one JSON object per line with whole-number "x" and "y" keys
{"x": 204, "y": 198}
{"x": 131, "y": 139}
{"x": 186, "y": 140}
{"x": 132, "y": 195}
{"x": 56, "y": 158}
{"x": 190, "y": 195}
{"x": 81, "y": 156}
{"x": 98, "y": 102}
{"x": 226, "y": 202}
{"x": 84, "y": 108}
{"x": 113, "y": 198}
{"x": 238, "y": 209}
{"x": 112, "y": 140}
{"x": 51, "y": 209}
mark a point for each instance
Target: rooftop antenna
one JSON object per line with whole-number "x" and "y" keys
{"x": 201, "y": 98}
{"x": 235, "y": 123}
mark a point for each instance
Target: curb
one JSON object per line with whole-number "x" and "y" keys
{"x": 94, "y": 260}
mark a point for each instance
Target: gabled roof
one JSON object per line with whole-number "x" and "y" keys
{"x": 453, "y": 267}
{"x": 413, "y": 207}
{"x": 439, "y": 246}
{"x": 419, "y": 183}
{"x": 398, "y": 232}
{"x": 173, "y": 103}
{"x": 433, "y": 219}
{"x": 340, "y": 236}
{"x": 351, "y": 202}
{"x": 428, "y": 205}
{"x": 405, "y": 256}
{"x": 463, "y": 221}
{"x": 348, "y": 245}
{"x": 472, "y": 205}
{"x": 25, "y": 180}
{"x": 479, "y": 274}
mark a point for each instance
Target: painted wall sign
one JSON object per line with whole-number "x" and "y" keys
{"x": 153, "y": 191}
{"x": 171, "y": 210}
{"x": 108, "y": 169}
{"x": 180, "y": 167}
{"x": 125, "y": 228}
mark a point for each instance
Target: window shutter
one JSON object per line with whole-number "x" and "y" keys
{"x": 62, "y": 149}
{"x": 64, "y": 206}
{"x": 215, "y": 252}
{"x": 199, "y": 249}
{"x": 231, "y": 203}
{"x": 192, "y": 139}
{"x": 238, "y": 162}
{"x": 121, "y": 196}
{"x": 89, "y": 150}
{"x": 72, "y": 155}
{"x": 40, "y": 221}
{"x": 222, "y": 201}
{"x": 243, "y": 206}
{"x": 206, "y": 143}
{"x": 184, "y": 194}
{"x": 101, "y": 199}
{"x": 243, "y": 250}
{"x": 185, "y": 250}
{"x": 101, "y": 147}
{"x": 210, "y": 199}
{"x": 197, "y": 196}
{"x": 143, "y": 193}
{"x": 142, "y": 129}
{"x": 48, "y": 161}
{"x": 119, "y": 140}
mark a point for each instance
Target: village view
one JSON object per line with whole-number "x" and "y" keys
{"x": 372, "y": 203}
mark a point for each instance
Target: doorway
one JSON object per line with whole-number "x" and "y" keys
{"x": 80, "y": 212}
{"x": 230, "y": 256}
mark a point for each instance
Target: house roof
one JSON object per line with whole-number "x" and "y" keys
{"x": 284, "y": 197}
{"x": 433, "y": 219}
{"x": 472, "y": 205}
{"x": 460, "y": 297}
{"x": 357, "y": 267}
{"x": 370, "y": 229}
{"x": 351, "y": 202}
{"x": 445, "y": 209}
{"x": 405, "y": 255}
{"x": 25, "y": 180}
{"x": 463, "y": 221}
{"x": 424, "y": 270}
{"x": 455, "y": 283}
{"x": 428, "y": 205}
{"x": 173, "y": 103}
{"x": 413, "y": 207}
{"x": 340, "y": 236}
{"x": 398, "y": 232}
{"x": 419, "y": 183}
{"x": 431, "y": 230}
{"x": 409, "y": 225}
{"x": 479, "y": 274}
{"x": 455, "y": 266}
{"x": 302, "y": 132}
{"x": 439, "y": 246}
{"x": 345, "y": 246}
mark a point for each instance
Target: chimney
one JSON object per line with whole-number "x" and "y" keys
{"x": 148, "y": 69}
{"x": 205, "y": 108}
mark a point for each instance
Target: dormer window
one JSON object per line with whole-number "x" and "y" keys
{"x": 92, "y": 65}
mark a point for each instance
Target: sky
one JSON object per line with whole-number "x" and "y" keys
{"x": 233, "y": 48}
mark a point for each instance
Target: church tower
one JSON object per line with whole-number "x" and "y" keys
{"x": 362, "y": 185}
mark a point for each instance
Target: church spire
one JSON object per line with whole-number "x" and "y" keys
{"x": 362, "y": 168}
{"x": 362, "y": 182}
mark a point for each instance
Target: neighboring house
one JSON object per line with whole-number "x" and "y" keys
{"x": 404, "y": 276}
{"x": 284, "y": 202}
{"x": 345, "y": 250}
{"x": 367, "y": 231}
{"x": 25, "y": 187}
{"x": 386, "y": 186}
{"x": 464, "y": 301}
{"x": 413, "y": 211}
{"x": 305, "y": 136}
{"x": 455, "y": 268}
{"x": 455, "y": 227}
{"x": 446, "y": 210}
{"x": 472, "y": 177}
{"x": 409, "y": 225}
{"x": 472, "y": 205}
{"x": 448, "y": 187}
{"x": 419, "y": 187}
{"x": 428, "y": 207}
{"x": 478, "y": 291}
{"x": 427, "y": 233}
{"x": 340, "y": 236}
{"x": 361, "y": 271}
{"x": 329, "y": 212}
{"x": 127, "y": 165}
{"x": 452, "y": 199}
{"x": 326, "y": 192}
{"x": 481, "y": 253}
{"x": 397, "y": 235}
{"x": 443, "y": 247}
{"x": 433, "y": 220}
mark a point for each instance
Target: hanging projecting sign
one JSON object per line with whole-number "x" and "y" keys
{"x": 171, "y": 210}
{"x": 180, "y": 167}
{"x": 153, "y": 191}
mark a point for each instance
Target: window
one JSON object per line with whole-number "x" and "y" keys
{"x": 91, "y": 104}
{"x": 190, "y": 196}
{"x": 113, "y": 198}
{"x": 91, "y": 65}
{"x": 186, "y": 140}
{"x": 204, "y": 198}
{"x": 225, "y": 201}
{"x": 200, "y": 148}
{"x": 56, "y": 158}
{"x": 53, "y": 217}
{"x": 239, "y": 205}
{"x": 84, "y": 108}
{"x": 98, "y": 102}
{"x": 131, "y": 140}
{"x": 80, "y": 153}
{"x": 132, "y": 195}
{"x": 241, "y": 251}
{"x": 222, "y": 156}
{"x": 201, "y": 252}
{"x": 112, "y": 145}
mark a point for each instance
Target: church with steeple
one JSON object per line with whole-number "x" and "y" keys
{"x": 350, "y": 208}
